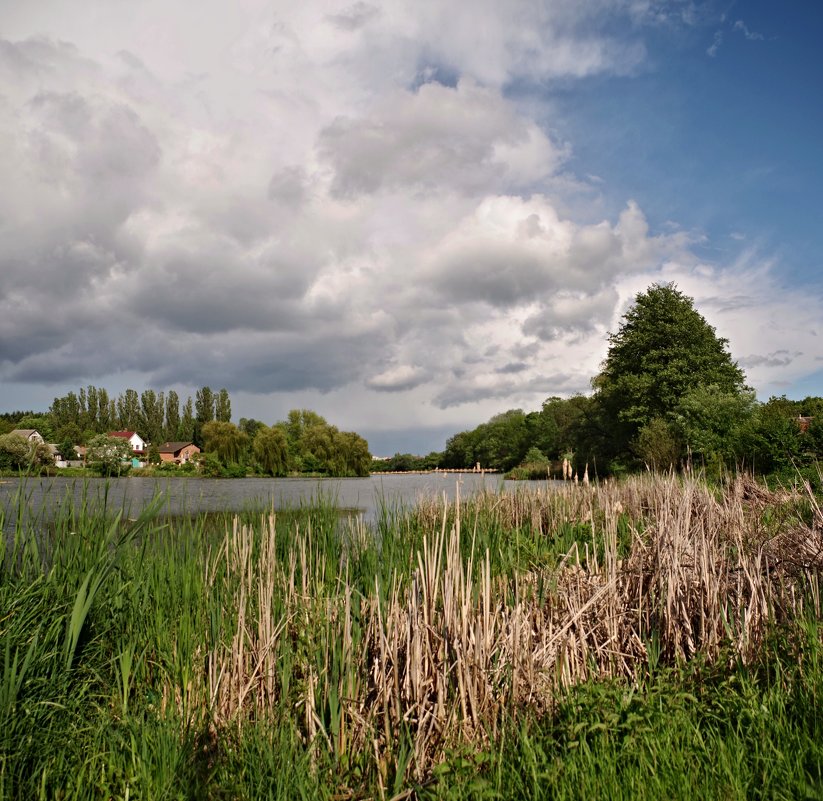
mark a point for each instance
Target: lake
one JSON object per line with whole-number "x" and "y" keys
{"x": 195, "y": 495}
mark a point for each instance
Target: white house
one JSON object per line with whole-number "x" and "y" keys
{"x": 138, "y": 444}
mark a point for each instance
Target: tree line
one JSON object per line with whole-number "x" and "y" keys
{"x": 302, "y": 443}
{"x": 668, "y": 395}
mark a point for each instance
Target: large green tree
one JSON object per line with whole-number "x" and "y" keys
{"x": 270, "y": 449}
{"x": 663, "y": 349}
{"x": 225, "y": 440}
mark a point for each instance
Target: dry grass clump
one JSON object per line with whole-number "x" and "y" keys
{"x": 670, "y": 569}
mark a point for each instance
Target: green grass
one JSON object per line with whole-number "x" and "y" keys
{"x": 118, "y": 639}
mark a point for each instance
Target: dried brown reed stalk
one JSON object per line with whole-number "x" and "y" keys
{"x": 448, "y": 654}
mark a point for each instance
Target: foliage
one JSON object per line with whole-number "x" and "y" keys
{"x": 710, "y": 422}
{"x": 407, "y": 462}
{"x": 17, "y": 453}
{"x": 111, "y": 456}
{"x": 209, "y": 465}
{"x": 771, "y": 439}
{"x": 499, "y": 444}
{"x": 657, "y": 445}
{"x": 171, "y": 428}
{"x": 186, "y": 429}
{"x": 152, "y": 416}
{"x": 317, "y": 447}
{"x": 226, "y": 441}
{"x": 270, "y": 449}
{"x": 42, "y": 423}
{"x": 249, "y": 426}
{"x": 14, "y": 452}
{"x": 560, "y": 421}
{"x": 663, "y": 350}
{"x": 222, "y": 406}
{"x": 153, "y": 454}
{"x": 204, "y": 405}
{"x": 67, "y": 450}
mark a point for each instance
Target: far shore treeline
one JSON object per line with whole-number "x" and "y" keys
{"x": 303, "y": 443}
{"x": 668, "y": 395}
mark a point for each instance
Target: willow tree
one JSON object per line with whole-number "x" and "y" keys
{"x": 663, "y": 349}
{"x": 225, "y": 440}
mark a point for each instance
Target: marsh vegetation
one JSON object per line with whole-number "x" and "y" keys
{"x": 653, "y": 638}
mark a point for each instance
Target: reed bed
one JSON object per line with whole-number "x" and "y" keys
{"x": 361, "y": 661}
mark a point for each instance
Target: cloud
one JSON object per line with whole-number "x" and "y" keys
{"x": 354, "y": 17}
{"x": 464, "y": 138}
{"x": 397, "y": 379}
{"x": 779, "y": 358}
{"x": 324, "y": 205}
{"x": 513, "y": 251}
{"x": 752, "y": 36}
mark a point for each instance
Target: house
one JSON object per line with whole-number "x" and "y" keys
{"x": 177, "y": 452}
{"x": 138, "y": 444}
{"x": 31, "y": 435}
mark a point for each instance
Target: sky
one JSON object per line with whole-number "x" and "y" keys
{"x": 406, "y": 216}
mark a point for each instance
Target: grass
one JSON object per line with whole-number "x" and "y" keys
{"x": 652, "y": 638}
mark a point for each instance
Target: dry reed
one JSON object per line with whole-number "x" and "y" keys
{"x": 672, "y": 569}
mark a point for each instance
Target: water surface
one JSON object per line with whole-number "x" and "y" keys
{"x": 45, "y": 496}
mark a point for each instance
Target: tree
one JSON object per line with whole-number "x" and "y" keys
{"x": 171, "y": 429}
{"x": 69, "y": 436}
{"x": 771, "y": 438}
{"x": 67, "y": 450}
{"x": 14, "y": 452}
{"x": 222, "y": 406}
{"x": 710, "y": 421}
{"x": 555, "y": 430}
{"x": 153, "y": 455}
{"x": 352, "y": 457}
{"x": 663, "y": 349}
{"x": 249, "y": 426}
{"x": 128, "y": 410}
{"x": 110, "y": 455}
{"x": 204, "y": 405}
{"x": 225, "y": 440}
{"x": 42, "y": 423}
{"x": 152, "y": 414}
{"x": 657, "y": 445}
{"x": 459, "y": 451}
{"x": 187, "y": 423}
{"x": 271, "y": 451}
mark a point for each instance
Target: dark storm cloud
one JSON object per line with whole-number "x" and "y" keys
{"x": 281, "y": 363}
{"x": 225, "y": 290}
{"x": 495, "y": 274}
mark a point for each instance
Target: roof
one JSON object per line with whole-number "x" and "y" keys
{"x": 123, "y": 434}
{"x": 173, "y": 447}
{"x": 25, "y": 432}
